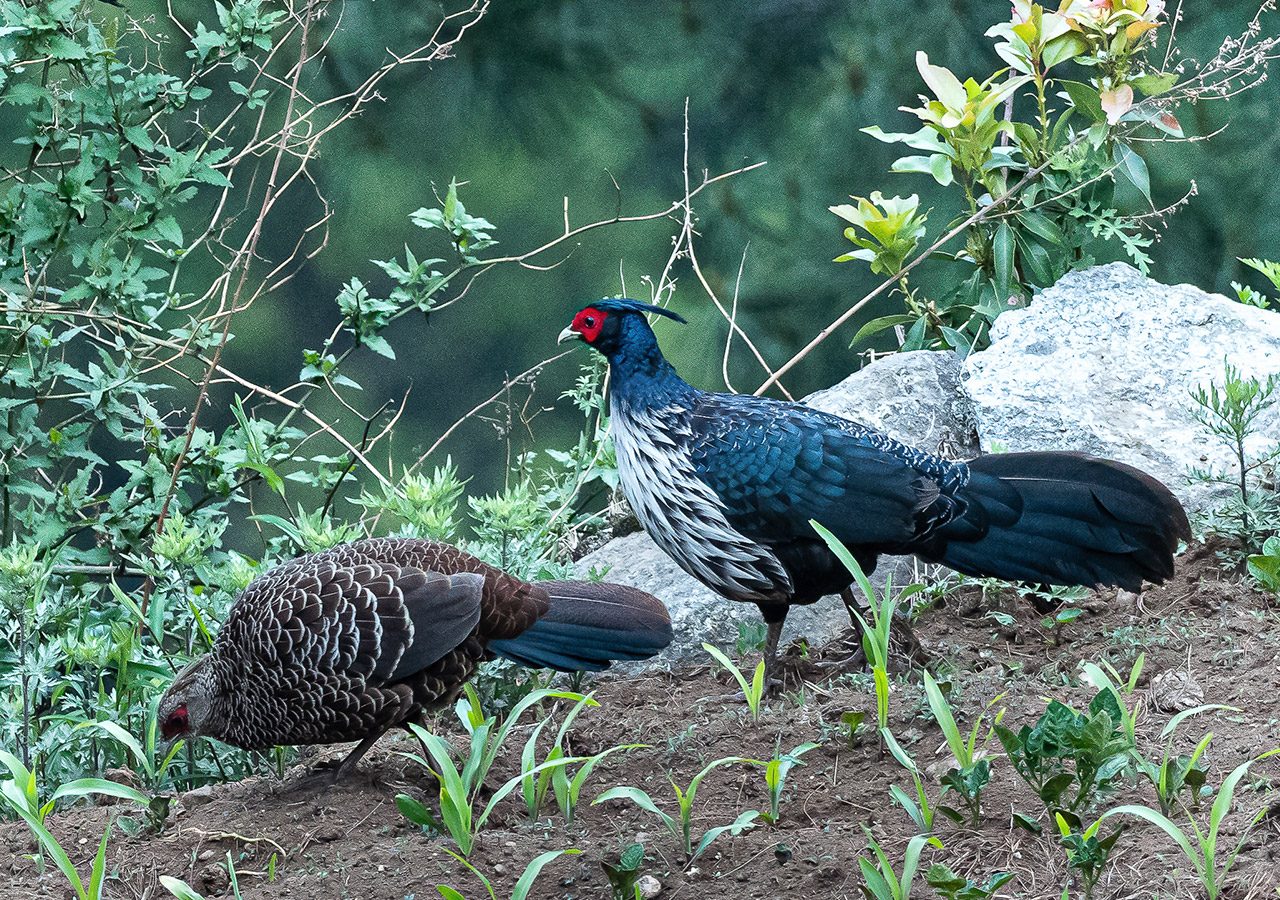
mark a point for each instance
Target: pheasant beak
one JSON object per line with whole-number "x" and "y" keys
{"x": 568, "y": 335}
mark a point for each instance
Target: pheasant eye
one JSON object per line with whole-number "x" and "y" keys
{"x": 589, "y": 321}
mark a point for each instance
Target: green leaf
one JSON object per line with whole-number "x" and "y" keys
{"x": 1002, "y": 250}
{"x": 83, "y": 787}
{"x": 1027, "y": 823}
{"x": 1042, "y": 227}
{"x": 169, "y": 230}
{"x": 138, "y": 136}
{"x": 1086, "y": 99}
{"x": 943, "y": 82}
{"x": 179, "y": 888}
{"x": 940, "y": 169}
{"x": 415, "y": 812}
{"x": 124, "y": 737}
{"x": 937, "y": 165}
{"x": 1037, "y": 266}
{"x": 875, "y": 326}
{"x": 1154, "y": 84}
{"x": 64, "y": 48}
{"x": 98, "y": 872}
{"x": 744, "y": 822}
{"x": 531, "y": 872}
{"x": 1133, "y": 167}
{"x": 925, "y": 139}
{"x": 1062, "y": 48}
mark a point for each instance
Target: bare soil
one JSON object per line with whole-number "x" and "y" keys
{"x": 349, "y": 840}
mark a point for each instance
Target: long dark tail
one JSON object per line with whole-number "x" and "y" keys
{"x": 589, "y": 625}
{"x": 1062, "y": 518}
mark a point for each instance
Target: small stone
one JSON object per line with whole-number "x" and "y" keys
{"x": 650, "y": 887}
{"x": 205, "y": 855}
{"x": 643, "y": 837}
{"x": 1174, "y": 691}
{"x": 214, "y": 879}
{"x": 202, "y": 794}
{"x": 327, "y": 834}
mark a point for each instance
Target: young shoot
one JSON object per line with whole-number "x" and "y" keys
{"x": 1202, "y": 846}
{"x": 753, "y": 689}
{"x": 680, "y": 826}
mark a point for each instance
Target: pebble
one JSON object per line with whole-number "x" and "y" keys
{"x": 328, "y": 833}
{"x": 650, "y": 887}
{"x": 202, "y": 794}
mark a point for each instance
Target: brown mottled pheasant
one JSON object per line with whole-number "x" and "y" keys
{"x": 346, "y": 644}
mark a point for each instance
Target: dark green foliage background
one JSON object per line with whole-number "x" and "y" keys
{"x": 548, "y": 99}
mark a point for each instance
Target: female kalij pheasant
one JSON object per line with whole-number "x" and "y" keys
{"x": 346, "y": 644}
{"x": 727, "y": 485}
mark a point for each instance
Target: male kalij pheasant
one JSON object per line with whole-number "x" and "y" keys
{"x": 727, "y": 485}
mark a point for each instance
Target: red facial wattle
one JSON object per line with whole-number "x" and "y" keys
{"x": 589, "y": 323}
{"x": 177, "y": 723}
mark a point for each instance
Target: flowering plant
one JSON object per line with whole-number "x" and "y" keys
{"x": 1037, "y": 156}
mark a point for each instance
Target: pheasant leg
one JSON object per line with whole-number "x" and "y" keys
{"x": 348, "y": 765}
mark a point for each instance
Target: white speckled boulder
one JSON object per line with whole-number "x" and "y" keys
{"x": 1105, "y": 361}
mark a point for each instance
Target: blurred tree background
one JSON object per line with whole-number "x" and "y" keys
{"x": 561, "y": 98}
{"x": 555, "y": 99}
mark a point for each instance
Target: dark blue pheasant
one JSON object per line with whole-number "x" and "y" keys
{"x": 727, "y": 484}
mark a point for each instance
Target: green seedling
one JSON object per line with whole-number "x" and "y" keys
{"x": 753, "y": 689}
{"x": 524, "y": 883}
{"x": 1087, "y": 854}
{"x": 920, "y": 810}
{"x": 1201, "y": 846}
{"x": 855, "y": 723}
{"x": 556, "y": 779}
{"x": 951, "y": 886}
{"x": 1265, "y": 566}
{"x": 624, "y": 876}
{"x": 1120, "y": 689}
{"x": 179, "y": 888}
{"x": 879, "y": 881}
{"x": 1068, "y": 757}
{"x": 972, "y": 772}
{"x": 1054, "y": 624}
{"x": 19, "y": 793}
{"x": 534, "y": 788}
{"x": 1176, "y": 773}
{"x": 876, "y": 634}
{"x": 775, "y": 777}
{"x": 144, "y": 757}
{"x": 460, "y": 788}
{"x": 751, "y": 637}
{"x": 681, "y": 827}
{"x": 568, "y": 791}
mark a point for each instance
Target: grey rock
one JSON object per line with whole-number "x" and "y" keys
{"x": 650, "y": 887}
{"x": 913, "y": 397}
{"x": 1105, "y": 361}
{"x": 198, "y": 796}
